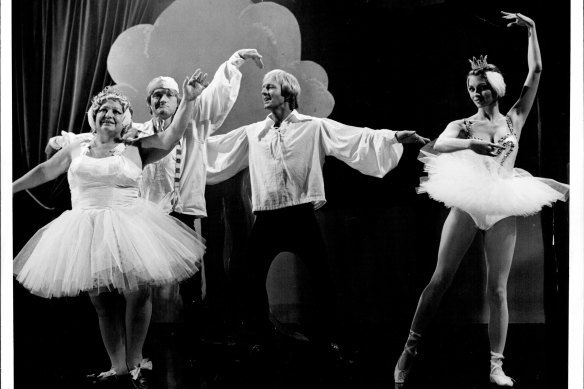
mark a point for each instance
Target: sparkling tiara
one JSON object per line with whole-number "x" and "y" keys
{"x": 479, "y": 63}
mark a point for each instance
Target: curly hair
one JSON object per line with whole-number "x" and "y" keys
{"x": 110, "y": 93}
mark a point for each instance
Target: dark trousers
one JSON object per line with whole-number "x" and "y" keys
{"x": 291, "y": 229}
{"x": 190, "y": 289}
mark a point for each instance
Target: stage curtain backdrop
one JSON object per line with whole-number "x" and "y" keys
{"x": 59, "y": 61}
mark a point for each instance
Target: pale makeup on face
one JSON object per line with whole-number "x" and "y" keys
{"x": 480, "y": 91}
{"x": 110, "y": 114}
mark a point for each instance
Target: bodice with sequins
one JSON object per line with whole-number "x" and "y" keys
{"x": 505, "y": 157}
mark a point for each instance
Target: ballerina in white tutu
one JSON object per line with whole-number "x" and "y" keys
{"x": 474, "y": 175}
{"x": 112, "y": 244}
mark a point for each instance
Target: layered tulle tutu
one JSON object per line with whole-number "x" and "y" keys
{"x": 480, "y": 185}
{"x": 110, "y": 240}
{"x": 105, "y": 249}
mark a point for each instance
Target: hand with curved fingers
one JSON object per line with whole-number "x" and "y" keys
{"x": 485, "y": 148}
{"x": 252, "y": 54}
{"x": 518, "y": 19}
{"x": 409, "y": 137}
{"x": 194, "y": 86}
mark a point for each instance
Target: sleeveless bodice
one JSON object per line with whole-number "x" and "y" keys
{"x": 112, "y": 239}
{"x": 506, "y": 157}
{"x": 109, "y": 182}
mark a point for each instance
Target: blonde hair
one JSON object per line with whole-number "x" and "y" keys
{"x": 289, "y": 85}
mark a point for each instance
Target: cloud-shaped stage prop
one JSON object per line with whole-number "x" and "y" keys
{"x": 192, "y": 34}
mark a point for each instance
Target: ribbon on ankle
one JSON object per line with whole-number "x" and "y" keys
{"x": 495, "y": 355}
{"x": 414, "y": 334}
{"x": 146, "y": 364}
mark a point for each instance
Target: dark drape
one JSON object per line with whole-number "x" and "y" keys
{"x": 382, "y": 236}
{"x": 59, "y": 53}
{"x": 59, "y": 60}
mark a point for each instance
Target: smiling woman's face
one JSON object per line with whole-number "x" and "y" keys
{"x": 110, "y": 116}
{"x": 480, "y": 91}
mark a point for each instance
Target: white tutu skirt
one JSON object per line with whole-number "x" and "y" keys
{"x": 480, "y": 186}
{"x": 106, "y": 249}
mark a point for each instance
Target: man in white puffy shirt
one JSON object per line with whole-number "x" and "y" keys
{"x": 177, "y": 182}
{"x": 285, "y": 154}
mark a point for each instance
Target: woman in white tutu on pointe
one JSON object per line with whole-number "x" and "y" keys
{"x": 471, "y": 170}
{"x": 112, "y": 244}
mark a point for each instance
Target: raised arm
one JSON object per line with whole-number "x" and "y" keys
{"x": 452, "y": 139}
{"x": 155, "y": 147}
{"x": 216, "y": 101}
{"x": 518, "y": 113}
{"x": 48, "y": 170}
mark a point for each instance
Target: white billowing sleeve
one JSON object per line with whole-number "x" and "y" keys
{"x": 227, "y": 155}
{"x": 372, "y": 152}
{"x": 214, "y": 104}
{"x": 56, "y": 143}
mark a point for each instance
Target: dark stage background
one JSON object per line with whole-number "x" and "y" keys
{"x": 391, "y": 64}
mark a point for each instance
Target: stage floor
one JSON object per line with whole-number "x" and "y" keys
{"x": 452, "y": 356}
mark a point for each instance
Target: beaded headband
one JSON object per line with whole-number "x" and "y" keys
{"x": 480, "y": 63}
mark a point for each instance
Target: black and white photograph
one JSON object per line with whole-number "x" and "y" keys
{"x": 292, "y": 194}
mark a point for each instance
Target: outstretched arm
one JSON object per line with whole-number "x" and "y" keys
{"x": 518, "y": 113}
{"x": 227, "y": 154}
{"x": 48, "y": 170}
{"x": 372, "y": 152}
{"x": 409, "y": 137}
{"x": 156, "y": 146}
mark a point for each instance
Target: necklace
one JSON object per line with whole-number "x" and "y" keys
{"x": 98, "y": 152}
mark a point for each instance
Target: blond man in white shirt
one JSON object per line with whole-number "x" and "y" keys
{"x": 285, "y": 154}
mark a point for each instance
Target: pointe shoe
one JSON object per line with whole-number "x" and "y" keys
{"x": 400, "y": 375}
{"x": 410, "y": 350}
{"x": 497, "y": 375}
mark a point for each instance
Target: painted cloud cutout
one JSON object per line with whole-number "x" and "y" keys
{"x": 192, "y": 34}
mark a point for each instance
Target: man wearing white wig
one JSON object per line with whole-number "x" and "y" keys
{"x": 285, "y": 154}
{"x": 177, "y": 182}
